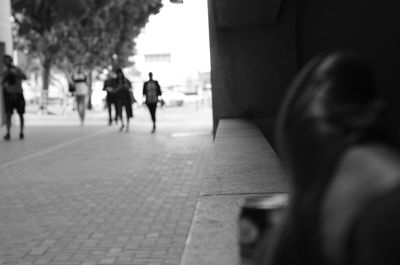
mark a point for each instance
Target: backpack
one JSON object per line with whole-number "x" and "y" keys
{"x": 151, "y": 92}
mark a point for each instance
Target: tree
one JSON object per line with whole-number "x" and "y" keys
{"x": 105, "y": 36}
{"x": 89, "y": 32}
{"x": 37, "y": 22}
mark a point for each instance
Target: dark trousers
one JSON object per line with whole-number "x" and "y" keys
{"x": 110, "y": 100}
{"x": 152, "y": 108}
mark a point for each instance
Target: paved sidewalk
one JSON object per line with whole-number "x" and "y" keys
{"x": 92, "y": 195}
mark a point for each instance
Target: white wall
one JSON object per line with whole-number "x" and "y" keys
{"x": 5, "y": 25}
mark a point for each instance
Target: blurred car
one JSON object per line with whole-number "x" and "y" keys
{"x": 172, "y": 97}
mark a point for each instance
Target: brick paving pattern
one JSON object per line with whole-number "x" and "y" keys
{"x": 105, "y": 198}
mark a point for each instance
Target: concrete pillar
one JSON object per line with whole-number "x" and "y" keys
{"x": 253, "y": 58}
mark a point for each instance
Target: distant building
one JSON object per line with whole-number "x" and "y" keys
{"x": 174, "y": 45}
{"x": 162, "y": 58}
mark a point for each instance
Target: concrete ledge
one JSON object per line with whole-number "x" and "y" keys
{"x": 243, "y": 165}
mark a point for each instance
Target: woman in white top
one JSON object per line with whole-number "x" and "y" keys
{"x": 81, "y": 91}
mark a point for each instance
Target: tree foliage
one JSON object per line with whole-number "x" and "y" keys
{"x": 64, "y": 33}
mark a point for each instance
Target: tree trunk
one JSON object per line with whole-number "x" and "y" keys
{"x": 45, "y": 82}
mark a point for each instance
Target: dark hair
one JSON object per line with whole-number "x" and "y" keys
{"x": 333, "y": 97}
{"x": 331, "y": 104}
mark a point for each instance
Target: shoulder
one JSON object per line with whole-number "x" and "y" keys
{"x": 376, "y": 235}
{"x": 378, "y": 162}
{"x": 364, "y": 173}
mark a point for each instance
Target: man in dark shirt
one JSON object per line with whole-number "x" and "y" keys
{"x": 13, "y": 94}
{"x": 110, "y": 87}
{"x": 152, "y": 90}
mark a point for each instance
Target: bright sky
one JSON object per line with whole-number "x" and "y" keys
{"x": 182, "y": 30}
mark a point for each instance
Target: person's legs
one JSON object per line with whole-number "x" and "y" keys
{"x": 116, "y": 111}
{"x": 127, "y": 124}
{"x": 129, "y": 114}
{"x": 108, "y": 101}
{"x": 9, "y": 108}
{"x": 119, "y": 110}
{"x": 83, "y": 108}
{"x": 21, "y": 124}
{"x": 152, "y": 108}
{"x": 21, "y": 111}
{"x": 8, "y": 126}
{"x": 80, "y": 105}
{"x": 79, "y": 108}
{"x": 122, "y": 119}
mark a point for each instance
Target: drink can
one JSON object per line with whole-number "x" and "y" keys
{"x": 257, "y": 216}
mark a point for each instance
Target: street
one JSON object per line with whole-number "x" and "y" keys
{"x": 93, "y": 195}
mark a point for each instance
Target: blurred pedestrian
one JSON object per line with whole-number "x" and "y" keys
{"x": 110, "y": 88}
{"x": 81, "y": 92}
{"x": 152, "y": 92}
{"x": 124, "y": 97}
{"x": 343, "y": 158}
{"x": 13, "y": 94}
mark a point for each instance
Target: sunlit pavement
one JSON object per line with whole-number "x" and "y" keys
{"x": 87, "y": 195}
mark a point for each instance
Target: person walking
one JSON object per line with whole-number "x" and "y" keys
{"x": 13, "y": 94}
{"x": 110, "y": 88}
{"x": 152, "y": 91}
{"x": 81, "y": 91}
{"x": 124, "y": 98}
